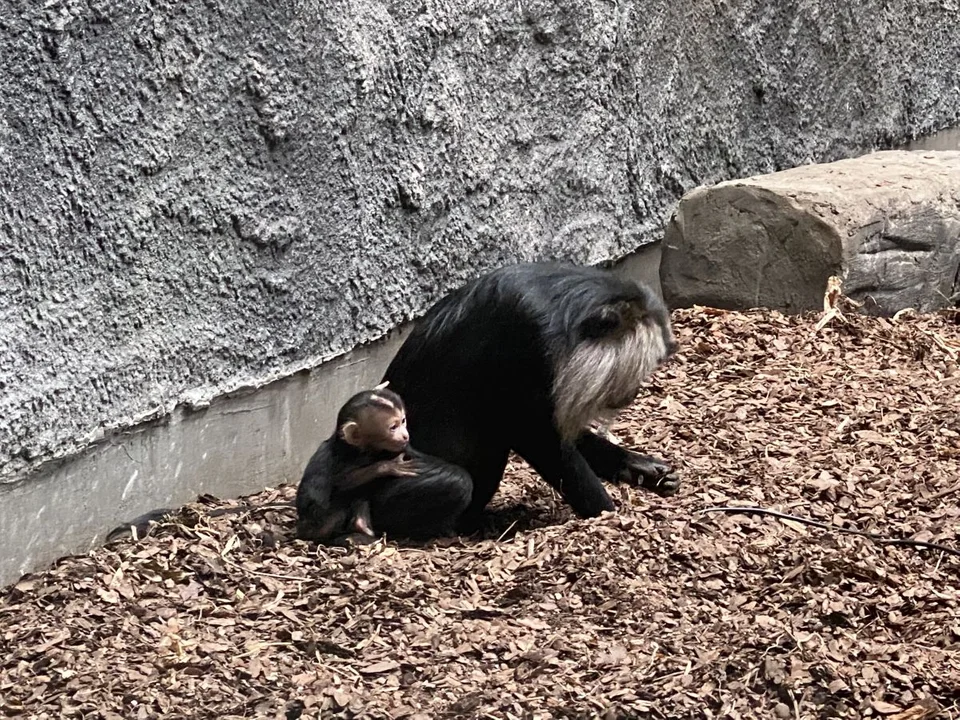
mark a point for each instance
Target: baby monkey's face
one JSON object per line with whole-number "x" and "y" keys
{"x": 395, "y": 435}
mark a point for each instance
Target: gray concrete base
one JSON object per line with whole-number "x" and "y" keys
{"x": 239, "y": 444}
{"x": 947, "y": 139}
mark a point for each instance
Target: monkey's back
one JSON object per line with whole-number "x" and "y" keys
{"x": 481, "y": 361}
{"x": 316, "y": 485}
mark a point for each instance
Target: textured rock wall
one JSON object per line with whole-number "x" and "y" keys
{"x": 204, "y": 195}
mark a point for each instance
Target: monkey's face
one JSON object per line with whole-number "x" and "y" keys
{"x": 393, "y": 435}
{"x": 621, "y": 344}
{"x": 378, "y": 429}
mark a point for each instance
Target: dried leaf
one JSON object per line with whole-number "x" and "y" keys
{"x": 885, "y": 708}
{"x": 654, "y": 609}
{"x": 380, "y": 667}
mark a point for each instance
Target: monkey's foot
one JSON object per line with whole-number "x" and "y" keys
{"x": 651, "y": 473}
{"x": 471, "y": 522}
{"x": 352, "y": 539}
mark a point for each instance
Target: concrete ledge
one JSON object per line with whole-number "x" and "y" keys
{"x": 239, "y": 444}
{"x": 946, "y": 139}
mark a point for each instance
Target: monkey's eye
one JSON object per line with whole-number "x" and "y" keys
{"x": 601, "y": 323}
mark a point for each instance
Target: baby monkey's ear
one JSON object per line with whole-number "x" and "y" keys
{"x": 350, "y": 432}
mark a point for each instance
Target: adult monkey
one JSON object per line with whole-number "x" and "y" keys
{"x": 524, "y": 358}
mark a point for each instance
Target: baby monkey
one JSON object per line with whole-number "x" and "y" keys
{"x": 367, "y": 445}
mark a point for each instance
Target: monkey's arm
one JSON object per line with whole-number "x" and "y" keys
{"x": 618, "y": 464}
{"x": 397, "y": 467}
{"x": 563, "y": 466}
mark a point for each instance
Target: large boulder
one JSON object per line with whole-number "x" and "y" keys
{"x": 887, "y": 223}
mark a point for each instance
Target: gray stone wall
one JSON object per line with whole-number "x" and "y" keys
{"x": 201, "y": 196}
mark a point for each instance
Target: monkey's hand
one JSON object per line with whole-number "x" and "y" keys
{"x": 398, "y": 467}
{"x": 650, "y": 473}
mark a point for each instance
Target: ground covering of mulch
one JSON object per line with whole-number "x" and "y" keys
{"x": 660, "y": 610}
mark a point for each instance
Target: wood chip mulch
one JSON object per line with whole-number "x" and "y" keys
{"x": 659, "y": 611}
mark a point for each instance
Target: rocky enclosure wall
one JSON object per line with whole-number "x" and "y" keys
{"x": 199, "y": 196}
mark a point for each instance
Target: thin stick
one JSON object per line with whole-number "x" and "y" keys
{"x": 879, "y": 539}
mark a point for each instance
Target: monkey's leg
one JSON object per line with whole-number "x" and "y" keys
{"x": 467, "y": 446}
{"x": 361, "y": 518}
{"x": 568, "y": 472}
{"x": 428, "y": 505}
{"x": 348, "y": 539}
{"x": 320, "y": 527}
{"x": 486, "y": 472}
{"x": 336, "y": 528}
{"x": 619, "y": 464}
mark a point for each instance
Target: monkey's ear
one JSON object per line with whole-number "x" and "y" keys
{"x": 382, "y": 385}
{"x": 350, "y": 432}
{"x": 602, "y": 322}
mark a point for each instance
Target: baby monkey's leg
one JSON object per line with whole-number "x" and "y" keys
{"x": 361, "y": 518}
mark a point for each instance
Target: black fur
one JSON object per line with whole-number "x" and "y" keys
{"x": 423, "y": 506}
{"x": 477, "y": 372}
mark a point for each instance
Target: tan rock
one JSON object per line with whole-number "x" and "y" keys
{"x": 887, "y": 223}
